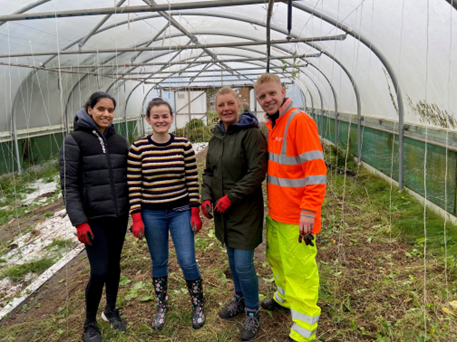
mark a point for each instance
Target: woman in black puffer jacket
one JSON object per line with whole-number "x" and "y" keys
{"x": 93, "y": 173}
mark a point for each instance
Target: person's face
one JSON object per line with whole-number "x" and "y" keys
{"x": 102, "y": 113}
{"x": 270, "y": 96}
{"x": 160, "y": 119}
{"x": 228, "y": 109}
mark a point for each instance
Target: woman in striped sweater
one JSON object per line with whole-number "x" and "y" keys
{"x": 163, "y": 190}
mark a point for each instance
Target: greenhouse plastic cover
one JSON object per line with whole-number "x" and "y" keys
{"x": 415, "y": 37}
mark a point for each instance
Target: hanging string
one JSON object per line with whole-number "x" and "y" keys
{"x": 63, "y": 145}
{"x": 11, "y": 106}
{"x": 425, "y": 173}
{"x": 447, "y": 155}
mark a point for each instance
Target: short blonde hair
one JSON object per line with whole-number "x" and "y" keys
{"x": 225, "y": 91}
{"x": 267, "y": 78}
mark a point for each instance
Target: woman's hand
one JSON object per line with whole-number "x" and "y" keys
{"x": 207, "y": 209}
{"x": 195, "y": 220}
{"x": 223, "y": 204}
{"x": 138, "y": 226}
{"x": 84, "y": 233}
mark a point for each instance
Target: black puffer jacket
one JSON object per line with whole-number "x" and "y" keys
{"x": 93, "y": 171}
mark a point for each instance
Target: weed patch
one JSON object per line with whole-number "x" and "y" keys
{"x": 18, "y": 272}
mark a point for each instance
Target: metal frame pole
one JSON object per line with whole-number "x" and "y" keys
{"x": 130, "y": 9}
{"x": 176, "y": 47}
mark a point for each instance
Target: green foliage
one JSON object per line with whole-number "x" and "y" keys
{"x": 294, "y": 69}
{"x": 18, "y": 272}
{"x": 195, "y": 131}
{"x": 61, "y": 244}
{"x": 336, "y": 157}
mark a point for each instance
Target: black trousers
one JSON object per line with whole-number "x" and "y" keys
{"x": 104, "y": 257}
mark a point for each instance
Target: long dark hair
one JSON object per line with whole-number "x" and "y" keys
{"x": 97, "y": 96}
{"x": 157, "y": 102}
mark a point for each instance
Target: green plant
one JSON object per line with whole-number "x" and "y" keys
{"x": 18, "y": 272}
{"x": 295, "y": 68}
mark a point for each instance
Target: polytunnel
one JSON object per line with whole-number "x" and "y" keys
{"x": 378, "y": 78}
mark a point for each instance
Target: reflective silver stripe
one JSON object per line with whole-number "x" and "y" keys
{"x": 316, "y": 180}
{"x": 312, "y": 216}
{"x": 284, "y": 140}
{"x": 286, "y": 107}
{"x": 304, "y": 318}
{"x": 281, "y": 290}
{"x": 297, "y": 182}
{"x": 297, "y": 160}
{"x": 302, "y": 331}
{"x": 291, "y": 183}
{"x": 279, "y": 299}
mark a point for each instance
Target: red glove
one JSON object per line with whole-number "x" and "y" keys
{"x": 138, "y": 226}
{"x": 207, "y": 209}
{"x": 195, "y": 220}
{"x": 223, "y": 204}
{"x": 84, "y": 233}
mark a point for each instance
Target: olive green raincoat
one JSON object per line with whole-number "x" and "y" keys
{"x": 236, "y": 165}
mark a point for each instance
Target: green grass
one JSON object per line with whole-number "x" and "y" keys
{"x": 371, "y": 266}
{"x": 18, "y": 272}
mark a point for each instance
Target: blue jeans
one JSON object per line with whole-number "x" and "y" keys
{"x": 157, "y": 223}
{"x": 244, "y": 276}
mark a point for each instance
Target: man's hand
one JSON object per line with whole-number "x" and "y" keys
{"x": 306, "y": 224}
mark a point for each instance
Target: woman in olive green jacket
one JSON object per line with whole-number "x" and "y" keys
{"x": 236, "y": 165}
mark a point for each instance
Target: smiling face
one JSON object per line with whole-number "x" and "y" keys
{"x": 160, "y": 119}
{"x": 102, "y": 113}
{"x": 270, "y": 96}
{"x": 228, "y": 109}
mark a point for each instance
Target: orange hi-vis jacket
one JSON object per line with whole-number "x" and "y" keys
{"x": 296, "y": 168}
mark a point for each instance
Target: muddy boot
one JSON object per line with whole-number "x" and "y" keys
{"x": 160, "y": 287}
{"x": 196, "y": 294}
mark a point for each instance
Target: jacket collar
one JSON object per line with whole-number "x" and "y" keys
{"x": 286, "y": 106}
{"x": 83, "y": 121}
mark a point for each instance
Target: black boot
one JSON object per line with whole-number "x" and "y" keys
{"x": 251, "y": 325}
{"x": 196, "y": 294}
{"x": 160, "y": 287}
{"x": 271, "y": 305}
{"x": 236, "y": 307}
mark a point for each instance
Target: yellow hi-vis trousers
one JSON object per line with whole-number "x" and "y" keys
{"x": 296, "y": 276}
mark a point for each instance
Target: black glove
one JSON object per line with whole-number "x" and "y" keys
{"x": 307, "y": 238}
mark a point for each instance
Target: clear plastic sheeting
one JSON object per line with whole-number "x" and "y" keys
{"x": 367, "y": 62}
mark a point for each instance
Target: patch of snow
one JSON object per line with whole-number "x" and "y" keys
{"x": 42, "y": 188}
{"x": 198, "y": 147}
{"x": 8, "y": 288}
{"x": 31, "y": 246}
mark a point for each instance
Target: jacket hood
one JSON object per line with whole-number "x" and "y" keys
{"x": 84, "y": 121}
{"x": 247, "y": 119}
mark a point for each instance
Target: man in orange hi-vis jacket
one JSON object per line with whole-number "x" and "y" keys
{"x": 296, "y": 179}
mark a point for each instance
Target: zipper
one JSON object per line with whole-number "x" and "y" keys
{"x": 222, "y": 184}
{"x": 105, "y": 150}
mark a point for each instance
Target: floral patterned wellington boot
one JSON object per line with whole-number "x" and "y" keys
{"x": 160, "y": 287}
{"x": 196, "y": 294}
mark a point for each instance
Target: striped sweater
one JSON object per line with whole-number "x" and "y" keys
{"x": 162, "y": 176}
